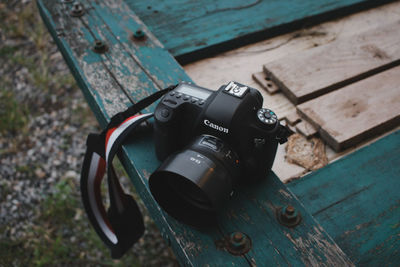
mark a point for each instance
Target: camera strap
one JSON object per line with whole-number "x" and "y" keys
{"x": 122, "y": 225}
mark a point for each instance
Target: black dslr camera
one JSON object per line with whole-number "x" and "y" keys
{"x": 210, "y": 142}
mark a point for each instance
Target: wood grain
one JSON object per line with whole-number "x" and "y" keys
{"x": 357, "y": 111}
{"x": 356, "y": 200}
{"x": 316, "y": 71}
{"x": 129, "y": 71}
{"x": 188, "y": 26}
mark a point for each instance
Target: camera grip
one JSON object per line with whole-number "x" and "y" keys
{"x": 165, "y": 133}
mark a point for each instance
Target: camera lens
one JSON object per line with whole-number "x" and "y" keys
{"x": 192, "y": 185}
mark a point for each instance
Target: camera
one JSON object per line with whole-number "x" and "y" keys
{"x": 210, "y": 142}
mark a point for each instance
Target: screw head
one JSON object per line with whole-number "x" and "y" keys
{"x": 100, "y": 47}
{"x": 288, "y": 216}
{"x": 238, "y": 243}
{"x": 77, "y": 10}
{"x": 237, "y": 236}
{"x": 138, "y": 34}
{"x": 290, "y": 210}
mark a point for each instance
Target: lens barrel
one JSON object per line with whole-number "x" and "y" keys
{"x": 193, "y": 184}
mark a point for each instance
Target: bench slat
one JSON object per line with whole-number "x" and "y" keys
{"x": 193, "y": 27}
{"x": 356, "y": 200}
{"x": 127, "y": 72}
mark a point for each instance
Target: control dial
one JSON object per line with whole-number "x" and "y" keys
{"x": 267, "y": 117}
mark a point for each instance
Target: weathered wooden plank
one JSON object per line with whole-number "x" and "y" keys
{"x": 356, "y": 200}
{"x": 265, "y": 82}
{"x": 293, "y": 118}
{"x": 75, "y": 45}
{"x": 187, "y": 26}
{"x": 319, "y": 70}
{"x": 139, "y": 73}
{"x": 357, "y": 111}
{"x": 306, "y": 129}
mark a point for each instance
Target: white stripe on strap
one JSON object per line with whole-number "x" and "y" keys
{"x": 121, "y": 128}
{"x": 94, "y": 165}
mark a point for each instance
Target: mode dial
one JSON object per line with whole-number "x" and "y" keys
{"x": 267, "y": 117}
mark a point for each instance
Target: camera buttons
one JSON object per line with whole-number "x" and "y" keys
{"x": 178, "y": 95}
{"x": 267, "y": 116}
{"x": 172, "y": 93}
{"x": 201, "y": 102}
{"x": 185, "y": 97}
{"x": 165, "y": 113}
{"x": 193, "y": 100}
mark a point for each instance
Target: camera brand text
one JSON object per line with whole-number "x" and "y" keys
{"x": 216, "y": 127}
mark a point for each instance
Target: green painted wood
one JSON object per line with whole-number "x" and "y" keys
{"x": 356, "y": 199}
{"x": 132, "y": 69}
{"x": 187, "y": 26}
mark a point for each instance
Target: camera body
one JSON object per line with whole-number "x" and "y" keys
{"x": 209, "y": 142}
{"x": 233, "y": 113}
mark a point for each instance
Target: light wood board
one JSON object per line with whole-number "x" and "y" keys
{"x": 319, "y": 70}
{"x": 357, "y": 111}
{"x": 241, "y": 63}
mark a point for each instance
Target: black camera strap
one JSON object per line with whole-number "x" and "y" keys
{"x": 122, "y": 225}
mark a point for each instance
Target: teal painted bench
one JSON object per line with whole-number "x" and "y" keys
{"x": 131, "y": 68}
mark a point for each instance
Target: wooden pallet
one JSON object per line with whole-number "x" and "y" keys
{"x": 348, "y": 116}
{"x": 358, "y": 111}
{"x": 242, "y": 63}
{"x": 314, "y": 72}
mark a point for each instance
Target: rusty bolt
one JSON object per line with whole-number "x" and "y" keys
{"x": 139, "y": 34}
{"x": 77, "y": 10}
{"x": 290, "y": 210}
{"x": 237, "y": 237}
{"x": 288, "y": 216}
{"x": 100, "y": 47}
{"x": 238, "y": 243}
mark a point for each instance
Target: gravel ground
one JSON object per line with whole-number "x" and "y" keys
{"x": 44, "y": 121}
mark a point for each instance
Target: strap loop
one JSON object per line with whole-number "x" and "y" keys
{"x": 122, "y": 225}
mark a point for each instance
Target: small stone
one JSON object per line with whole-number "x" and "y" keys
{"x": 40, "y": 173}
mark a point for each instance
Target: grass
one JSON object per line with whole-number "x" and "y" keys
{"x": 61, "y": 234}
{"x": 13, "y": 115}
{"x": 48, "y": 242}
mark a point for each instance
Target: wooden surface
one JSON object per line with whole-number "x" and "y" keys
{"x": 314, "y": 72}
{"x": 357, "y": 111}
{"x": 129, "y": 71}
{"x": 241, "y": 63}
{"x": 356, "y": 199}
{"x": 192, "y": 26}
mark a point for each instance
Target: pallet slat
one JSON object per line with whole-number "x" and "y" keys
{"x": 319, "y": 70}
{"x": 357, "y": 111}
